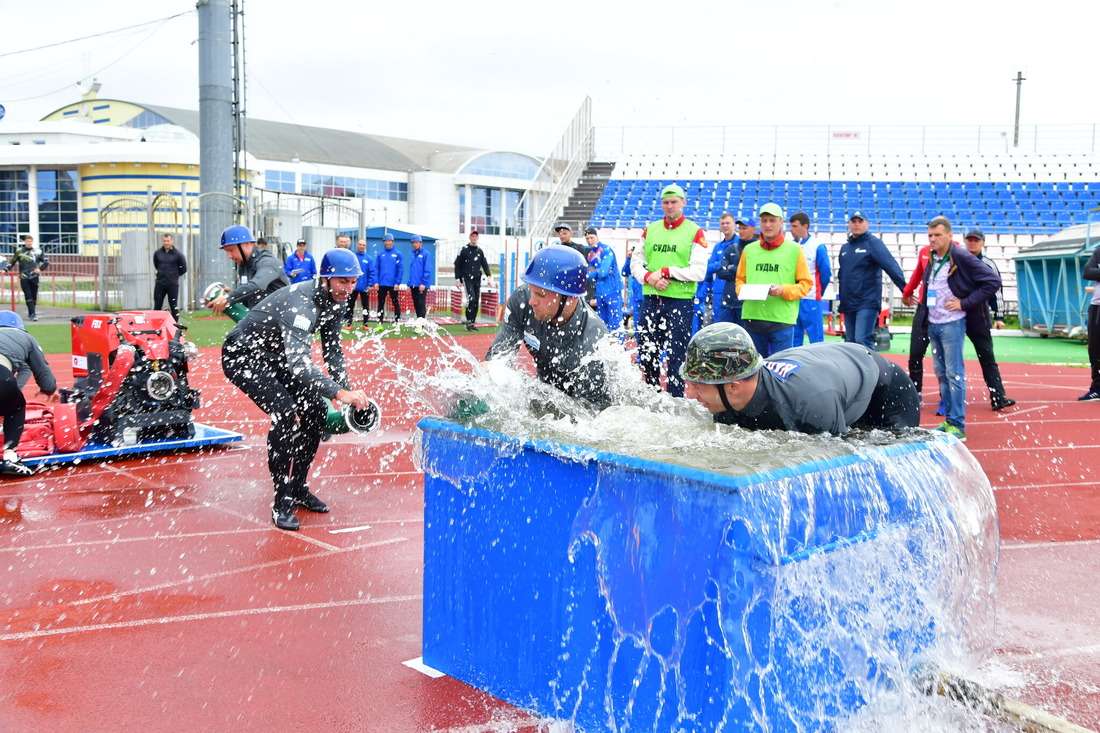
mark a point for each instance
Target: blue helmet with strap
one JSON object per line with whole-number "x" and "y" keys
{"x": 340, "y": 263}
{"x": 11, "y": 319}
{"x": 236, "y": 234}
{"x": 559, "y": 269}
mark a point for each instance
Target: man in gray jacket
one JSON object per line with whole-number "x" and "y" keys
{"x": 20, "y": 357}
{"x": 269, "y": 357}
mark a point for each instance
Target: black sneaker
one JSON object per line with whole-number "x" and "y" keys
{"x": 471, "y": 327}
{"x": 311, "y": 503}
{"x": 16, "y": 468}
{"x": 1000, "y": 403}
{"x": 1091, "y": 396}
{"x": 283, "y": 515}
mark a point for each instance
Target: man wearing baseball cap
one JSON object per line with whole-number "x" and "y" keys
{"x": 300, "y": 265}
{"x": 863, "y": 259}
{"x": 727, "y": 307}
{"x": 979, "y": 331}
{"x": 778, "y": 262}
{"x": 670, "y": 262}
{"x": 603, "y": 275}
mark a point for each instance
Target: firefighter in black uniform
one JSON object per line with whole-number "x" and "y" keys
{"x": 819, "y": 388}
{"x": 20, "y": 357}
{"x": 549, "y": 316}
{"x": 258, "y": 271}
{"x": 268, "y": 356}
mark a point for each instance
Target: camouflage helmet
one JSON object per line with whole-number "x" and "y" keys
{"x": 720, "y": 353}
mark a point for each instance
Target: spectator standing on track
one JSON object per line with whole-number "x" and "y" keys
{"x": 727, "y": 309}
{"x": 633, "y": 289}
{"x": 810, "y": 325}
{"x": 421, "y": 274}
{"x": 170, "y": 265}
{"x": 469, "y": 264}
{"x": 269, "y": 357}
{"x": 258, "y": 272}
{"x": 863, "y": 259}
{"x": 779, "y": 263}
{"x": 957, "y": 287}
{"x": 343, "y": 241}
{"x": 709, "y": 293}
{"x": 389, "y": 267}
{"x": 364, "y": 285}
{"x": 979, "y": 332}
{"x": 603, "y": 273}
{"x": 1092, "y": 272}
{"x": 20, "y": 357}
{"x": 31, "y": 262}
{"x": 670, "y": 263}
{"x": 300, "y": 265}
{"x": 820, "y": 388}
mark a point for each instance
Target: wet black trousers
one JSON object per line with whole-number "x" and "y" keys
{"x": 13, "y": 408}
{"x": 297, "y": 413}
{"x": 895, "y": 403}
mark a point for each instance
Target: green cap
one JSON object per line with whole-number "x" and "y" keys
{"x": 720, "y": 353}
{"x": 773, "y": 209}
{"x": 672, "y": 190}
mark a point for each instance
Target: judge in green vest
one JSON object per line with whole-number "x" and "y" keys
{"x": 670, "y": 263}
{"x": 774, "y": 267}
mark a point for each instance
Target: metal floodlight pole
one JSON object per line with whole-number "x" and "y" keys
{"x": 1016, "y": 130}
{"x": 216, "y": 136}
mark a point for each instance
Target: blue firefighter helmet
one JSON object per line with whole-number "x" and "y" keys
{"x": 559, "y": 269}
{"x": 340, "y": 263}
{"x": 237, "y": 234}
{"x": 11, "y": 319}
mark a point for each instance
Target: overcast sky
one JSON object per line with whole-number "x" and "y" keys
{"x": 510, "y": 75}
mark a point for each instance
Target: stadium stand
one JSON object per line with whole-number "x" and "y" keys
{"x": 1015, "y": 198}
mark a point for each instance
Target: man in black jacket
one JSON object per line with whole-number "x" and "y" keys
{"x": 258, "y": 272}
{"x": 979, "y": 333}
{"x": 31, "y": 263}
{"x": 469, "y": 264}
{"x": 269, "y": 357}
{"x": 170, "y": 265}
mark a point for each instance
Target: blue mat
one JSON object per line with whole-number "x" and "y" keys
{"x": 204, "y": 435}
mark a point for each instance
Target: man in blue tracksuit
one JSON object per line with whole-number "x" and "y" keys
{"x": 364, "y": 285}
{"x": 300, "y": 266}
{"x": 817, "y": 259}
{"x": 635, "y": 294}
{"x": 389, "y": 267}
{"x": 421, "y": 274}
{"x": 603, "y": 270}
{"x": 708, "y": 295}
{"x": 728, "y": 308}
{"x": 863, "y": 259}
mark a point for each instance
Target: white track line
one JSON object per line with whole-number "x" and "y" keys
{"x": 225, "y": 573}
{"x": 207, "y": 616}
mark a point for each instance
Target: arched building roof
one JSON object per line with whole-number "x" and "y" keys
{"x": 282, "y": 141}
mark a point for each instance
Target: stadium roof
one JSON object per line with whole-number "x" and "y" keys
{"x": 284, "y": 141}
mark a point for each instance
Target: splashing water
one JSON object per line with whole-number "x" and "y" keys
{"x": 644, "y": 569}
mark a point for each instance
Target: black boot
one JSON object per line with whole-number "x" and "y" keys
{"x": 282, "y": 513}
{"x": 1000, "y": 402}
{"x": 305, "y": 499}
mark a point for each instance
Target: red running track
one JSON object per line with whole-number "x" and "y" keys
{"x": 154, "y": 594}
